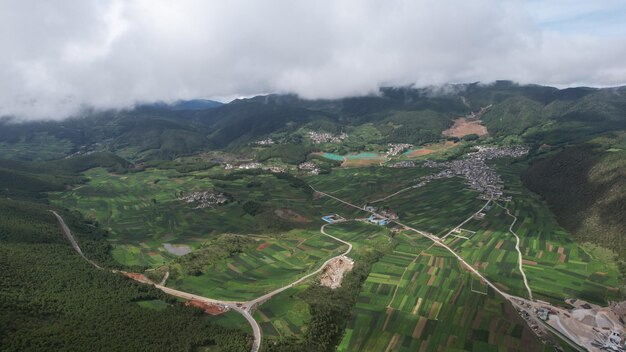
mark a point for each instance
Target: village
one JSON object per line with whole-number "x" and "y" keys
{"x": 254, "y": 165}
{"x": 205, "y": 199}
{"x": 397, "y": 148}
{"x": 325, "y": 137}
{"x": 480, "y": 176}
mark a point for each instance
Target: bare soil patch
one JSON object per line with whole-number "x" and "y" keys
{"x": 262, "y": 246}
{"x": 212, "y": 309}
{"x": 333, "y": 272}
{"x": 528, "y": 262}
{"x": 418, "y": 153}
{"x": 361, "y": 162}
{"x": 138, "y": 277}
{"x": 464, "y": 126}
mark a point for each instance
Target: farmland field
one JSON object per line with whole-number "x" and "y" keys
{"x": 416, "y": 297}
{"x": 143, "y": 212}
{"x": 436, "y": 207}
{"x": 284, "y": 316}
{"x": 557, "y": 268}
{"x": 424, "y": 301}
{"x": 275, "y": 262}
{"x": 365, "y": 184}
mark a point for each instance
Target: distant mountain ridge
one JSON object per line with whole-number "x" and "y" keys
{"x": 525, "y": 113}
{"x": 179, "y": 105}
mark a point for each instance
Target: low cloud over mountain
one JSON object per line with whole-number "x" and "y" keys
{"x": 60, "y": 57}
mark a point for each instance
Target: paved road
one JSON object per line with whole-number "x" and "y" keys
{"x": 237, "y": 306}
{"x": 467, "y": 220}
{"x": 70, "y": 237}
{"x": 243, "y": 308}
{"x": 433, "y": 238}
{"x": 438, "y": 241}
{"x": 260, "y": 300}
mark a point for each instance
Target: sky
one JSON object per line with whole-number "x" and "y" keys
{"x": 60, "y": 57}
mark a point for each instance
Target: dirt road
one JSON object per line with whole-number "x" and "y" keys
{"x": 520, "y": 260}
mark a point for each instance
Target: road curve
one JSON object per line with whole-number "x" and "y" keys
{"x": 433, "y": 238}
{"x": 260, "y": 300}
{"x": 237, "y": 306}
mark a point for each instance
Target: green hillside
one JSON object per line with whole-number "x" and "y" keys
{"x": 586, "y": 189}
{"x": 530, "y": 113}
{"x": 52, "y": 300}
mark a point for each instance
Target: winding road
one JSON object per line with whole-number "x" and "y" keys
{"x": 243, "y": 308}
{"x": 519, "y": 252}
{"x": 433, "y": 238}
{"x": 246, "y": 308}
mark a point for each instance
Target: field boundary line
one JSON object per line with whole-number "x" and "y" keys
{"x": 393, "y": 298}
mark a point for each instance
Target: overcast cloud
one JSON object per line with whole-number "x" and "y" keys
{"x": 60, "y": 56}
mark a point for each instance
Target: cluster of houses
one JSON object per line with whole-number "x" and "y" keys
{"x": 402, "y": 164}
{"x": 332, "y": 218}
{"x": 480, "y": 176}
{"x": 325, "y": 137}
{"x": 397, "y": 148}
{"x": 310, "y": 167}
{"x": 254, "y": 165}
{"x": 205, "y": 199}
{"x": 268, "y": 141}
{"x": 380, "y": 216}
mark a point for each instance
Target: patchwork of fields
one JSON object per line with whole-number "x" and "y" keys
{"x": 557, "y": 267}
{"x": 284, "y": 316}
{"x": 143, "y": 212}
{"x": 274, "y": 263}
{"x": 424, "y": 301}
{"x": 432, "y": 208}
{"x": 417, "y": 297}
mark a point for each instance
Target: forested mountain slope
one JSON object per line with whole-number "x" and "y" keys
{"x": 530, "y": 113}
{"x": 52, "y": 300}
{"x": 585, "y": 186}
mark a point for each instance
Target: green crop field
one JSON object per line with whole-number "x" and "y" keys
{"x": 361, "y": 235}
{"x": 143, "y": 212}
{"x": 557, "y": 268}
{"x": 286, "y": 315}
{"x": 416, "y": 297}
{"x": 426, "y": 302}
{"x": 361, "y": 185}
{"x": 274, "y": 263}
{"x": 436, "y": 207}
